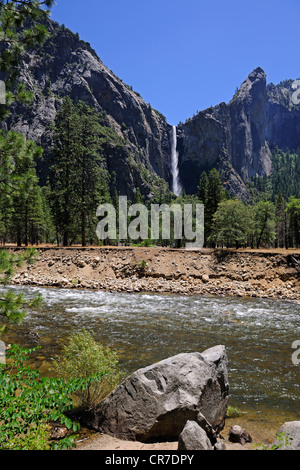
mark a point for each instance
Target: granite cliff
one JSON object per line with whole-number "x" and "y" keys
{"x": 237, "y": 138}
{"x": 65, "y": 65}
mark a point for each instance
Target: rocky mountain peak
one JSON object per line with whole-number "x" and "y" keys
{"x": 236, "y": 138}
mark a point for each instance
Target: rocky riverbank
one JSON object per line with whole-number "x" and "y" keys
{"x": 262, "y": 274}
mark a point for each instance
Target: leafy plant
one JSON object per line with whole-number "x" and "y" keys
{"x": 29, "y": 403}
{"x": 233, "y": 412}
{"x": 282, "y": 441}
{"x": 84, "y": 357}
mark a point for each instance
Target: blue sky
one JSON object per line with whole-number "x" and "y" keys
{"x": 183, "y": 56}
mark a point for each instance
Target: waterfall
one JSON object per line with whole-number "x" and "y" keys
{"x": 177, "y": 188}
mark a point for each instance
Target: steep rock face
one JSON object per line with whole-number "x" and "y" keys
{"x": 65, "y": 65}
{"x": 250, "y": 153}
{"x": 238, "y": 137}
{"x": 231, "y": 137}
{"x": 283, "y": 116}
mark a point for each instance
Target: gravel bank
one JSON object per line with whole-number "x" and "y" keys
{"x": 262, "y": 274}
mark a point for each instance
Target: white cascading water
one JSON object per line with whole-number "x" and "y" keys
{"x": 177, "y": 188}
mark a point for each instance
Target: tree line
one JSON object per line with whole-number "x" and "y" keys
{"x": 64, "y": 210}
{"x": 232, "y": 223}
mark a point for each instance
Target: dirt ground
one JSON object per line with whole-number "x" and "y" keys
{"x": 262, "y": 434}
{"x": 108, "y": 443}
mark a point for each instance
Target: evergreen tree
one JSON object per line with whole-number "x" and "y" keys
{"x": 62, "y": 163}
{"x": 293, "y": 212}
{"x": 12, "y": 305}
{"x": 78, "y": 180}
{"x": 14, "y": 39}
{"x": 281, "y": 222}
{"x": 6, "y": 168}
{"x": 92, "y": 188}
{"x": 20, "y": 189}
{"x": 138, "y": 198}
{"x": 203, "y": 188}
{"x": 214, "y": 197}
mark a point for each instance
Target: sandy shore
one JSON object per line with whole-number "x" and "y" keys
{"x": 261, "y": 434}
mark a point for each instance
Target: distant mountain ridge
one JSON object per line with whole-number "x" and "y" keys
{"x": 237, "y": 138}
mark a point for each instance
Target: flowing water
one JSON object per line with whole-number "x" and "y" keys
{"x": 143, "y": 328}
{"x": 177, "y": 189}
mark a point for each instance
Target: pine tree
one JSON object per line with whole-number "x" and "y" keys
{"x": 293, "y": 212}
{"x": 6, "y": 168}
{"x": 12, "y": 305}
{"x": 21, "y": 206}
{"x": 14, "y": 39}
{"x": 20, "y": 29}
{"x": 92, "y": 189}
{"x": 62, "y": 163}
{"x": 281, "y": 222}
{"x": 79, "y": 182}
{"x": 214, "y": 197}
{"x": 203, "y": 188}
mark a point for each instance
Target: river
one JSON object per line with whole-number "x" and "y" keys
{"x": 143, "y": 329}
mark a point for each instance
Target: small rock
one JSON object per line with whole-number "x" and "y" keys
{"x": 58, "y": 432}
{"x": 193, "y": 437}
{"x": 239, "y": 435}
{"x": 220, "y": 445}
{"x": 205, "y": 278}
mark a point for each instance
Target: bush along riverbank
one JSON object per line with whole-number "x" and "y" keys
{"x": 263, "y": 274}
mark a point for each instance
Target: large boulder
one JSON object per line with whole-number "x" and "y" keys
{"x": 156, "y": 402}
{"x": 288, "y": 436}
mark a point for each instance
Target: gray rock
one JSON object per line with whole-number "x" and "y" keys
{"x": 288, "y": 436}
{"x": 239, "y": 435}
{"x": 193, "y": 437}
{"x": 220, "y": 445}
{"x": 157, "y": 401}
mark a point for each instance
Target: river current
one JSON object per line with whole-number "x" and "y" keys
{"x": 143, "y": 329}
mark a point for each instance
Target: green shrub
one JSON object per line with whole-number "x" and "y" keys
{"x": 233, "y": 412}
{"x": 29, "y": 403}
{"x": 84, "y": 357}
